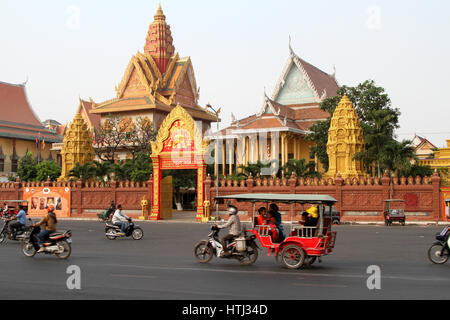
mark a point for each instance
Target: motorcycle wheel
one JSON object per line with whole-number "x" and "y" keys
{"x": 434, "y": 254}
{"x": 2, "y": 237}
{"x": 137, "y": 234}
{"x": 28, "y": 249}
{"x": 252, "y": 256}
{"x": 203, "y": 253}
{"x": 109, "y": 231}
{"x": 293, "y": 257}
{"x": 67, "y": 250}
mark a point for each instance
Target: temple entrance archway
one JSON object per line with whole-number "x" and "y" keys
{"x": 178, "y": 145}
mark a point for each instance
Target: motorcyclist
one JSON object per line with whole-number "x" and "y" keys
{"x": 120, "y": 219}
{"x": 234, "y": 223}
{"x": 49, "y": 222}
{"x": 21, "y": 218}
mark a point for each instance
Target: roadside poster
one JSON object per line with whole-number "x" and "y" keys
{"x": 39, "y": 198}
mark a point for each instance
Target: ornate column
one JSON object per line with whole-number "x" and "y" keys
{"x": 201, "y": 176}
{"x": 156, "y": 208}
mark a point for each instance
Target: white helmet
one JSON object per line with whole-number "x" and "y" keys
{"x": 232, "y": 210}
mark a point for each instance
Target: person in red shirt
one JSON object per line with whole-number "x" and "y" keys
{"x": 262, "y": 218}
{"x": 272, "y": 222}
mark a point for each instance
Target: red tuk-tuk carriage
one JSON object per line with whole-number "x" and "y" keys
{"x": 11, "y": 207}
{"x": 302, "y": 245}
{"x": 394, "y": 215}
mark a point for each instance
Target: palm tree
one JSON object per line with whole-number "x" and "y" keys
{"x": 83, "y": 172}
{"x": 103, "y": 170}
{"x": 300, "y": 168}
{"x": 397, "y": 156}
{"x": 253, "y": 169}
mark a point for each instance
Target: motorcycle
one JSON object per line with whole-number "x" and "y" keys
{"x": 112, "y": 231}
{"x": 58, "y": 243}
{"x": 439, "y": 251}
{"x": 20, "y": 234}
{"x": 107, "y": 214}
{"x": 242, "y": 248}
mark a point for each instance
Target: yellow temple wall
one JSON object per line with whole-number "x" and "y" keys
{"x": 21, "y": 148}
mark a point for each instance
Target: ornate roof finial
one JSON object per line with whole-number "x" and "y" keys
{"x": 160, "y": 14}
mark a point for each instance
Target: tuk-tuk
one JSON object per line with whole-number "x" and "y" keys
{"x": 303, "y": 244}
{"x": 394, "y": 215}
{"x": 11, "y": 207}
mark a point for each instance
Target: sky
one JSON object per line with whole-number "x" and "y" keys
{"x": 70, "y": 49}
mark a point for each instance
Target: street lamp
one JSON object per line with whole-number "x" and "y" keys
{"x": 216, "y": 112}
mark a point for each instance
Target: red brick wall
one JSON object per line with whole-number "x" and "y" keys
{"x": 88, "y": 196}
{"x": 358, "y": 199}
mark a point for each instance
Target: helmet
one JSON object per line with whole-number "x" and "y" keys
{"x": 50, "y": 208}
{"x": 232, "y": 210}
{"x": 313, "y": 211}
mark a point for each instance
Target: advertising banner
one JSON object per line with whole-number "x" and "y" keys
{"x": 39, "y": 198}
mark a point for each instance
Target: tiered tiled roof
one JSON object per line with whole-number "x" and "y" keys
{"x": 298, "y": 117}
{"x": 152, "y": 80}
{"x": 17, "y": 118}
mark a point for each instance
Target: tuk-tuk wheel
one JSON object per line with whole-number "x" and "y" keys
{"x": 293, "y": 256}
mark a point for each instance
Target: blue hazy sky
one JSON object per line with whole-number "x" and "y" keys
{"x": 69, "y": 49}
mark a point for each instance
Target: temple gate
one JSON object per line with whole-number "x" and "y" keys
{"x": 179, "y": 145}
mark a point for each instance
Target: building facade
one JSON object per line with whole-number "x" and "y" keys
{"x": 278, "y": 131}
{"x": 155, "y": 81}
{"x": 21, "y": 131}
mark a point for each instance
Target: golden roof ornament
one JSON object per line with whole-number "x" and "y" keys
{"x": 345, "y": 139}
{"x": 77, "y": 146}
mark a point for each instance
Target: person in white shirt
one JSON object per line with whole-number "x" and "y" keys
{"x": 120, "y": 219}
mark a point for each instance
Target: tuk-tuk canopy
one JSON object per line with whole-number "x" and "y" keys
{"x": 282, "y": 198}
{"x": 15, "y": 201}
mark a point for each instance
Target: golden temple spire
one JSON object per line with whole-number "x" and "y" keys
{"x": 160, "y": 14}
{"x": 159, "y": 42}
{"x": 345, "y": 139}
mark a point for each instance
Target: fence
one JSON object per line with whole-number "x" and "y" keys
{"x": 358, "y": 199}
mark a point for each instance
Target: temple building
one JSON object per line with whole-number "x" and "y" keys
{"x": 283, "y": 120}
{"x": 155, "y": 81}
{"x": 345, "y": 139}
{"x": 423, "y": 148}
{"x": 21, "y": 131}
{"x": 440, "y": 159}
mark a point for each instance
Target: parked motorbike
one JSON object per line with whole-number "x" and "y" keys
{"x": 243, "y": 248}
{"x": 20, "y": 234}
{"x": 58, "y": 243}
{"x": 439, "y": 251}
{"x": 107, "y": 214}
{"x": 112, "y": 231}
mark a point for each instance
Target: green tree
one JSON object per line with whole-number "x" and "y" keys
{"x": 417, "y": 170}
{"x": 27, "y": 168}
{"x": 378, "y": 121}
{"x": 397, "y": 156}
{"x": 48, "y": 169}
{"x": 83, "y": 172}
{"x": 142, "y": 167}
{"x": 254, "y": 169}
{"x": 103, "y": 170}
{"x": 300, "y": 168}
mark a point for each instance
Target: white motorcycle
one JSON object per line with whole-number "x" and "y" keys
{"x": 243, "y": 248}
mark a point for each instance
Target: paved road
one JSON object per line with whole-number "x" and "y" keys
{"x": 161, "y": 266}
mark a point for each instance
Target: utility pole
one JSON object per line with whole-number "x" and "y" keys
{"x": 216, "y": 157}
